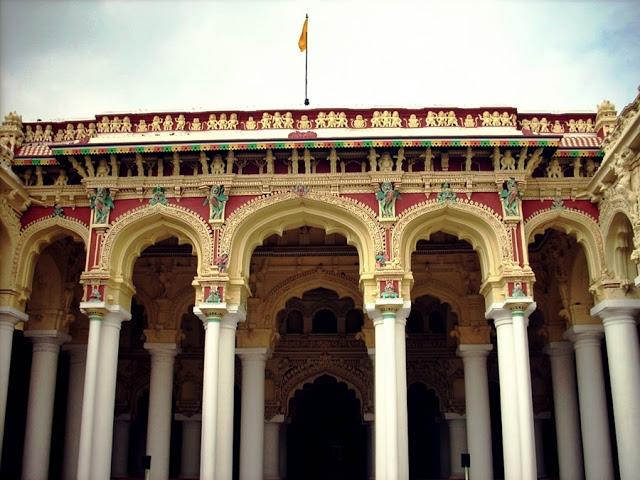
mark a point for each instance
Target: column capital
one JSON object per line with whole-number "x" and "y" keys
{"x": 617, "y": 311}
{"x": 220, "y": 312}
{"x": 466, "y": 350}
{"x": 47, "y": 340}
{"x": 503, "y": 313}
{"x": 387, "y": 306}
{"x": 10, "y": 316}
{"x": 583, "y": 334}
{"x": 111, "y": 314}
{"x": 253, "y": 353}
{"x": 157, "y": 349}
{"x": 558, "y": 349}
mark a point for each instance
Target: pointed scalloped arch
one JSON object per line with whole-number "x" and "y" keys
{"x": 248, "y": 226}
{"x": 141, "y": 227}
{"x": 297, "y": 285}
{"x": 9, "y": 237}
{"x": 443, "y": 292}
{"x": 575, "y": 223}
{"x": 467, "y": 220}
{"x": 38, "y": 235}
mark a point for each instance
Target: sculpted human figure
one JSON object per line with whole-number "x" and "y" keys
{"x": 217, "y": 165}
{"x": 386, "y": 196}
{"x": 216, "y": 200}
{"x": 571, "y": 125}
{"x": 582, "y": 126}
{"x": 396, "y": 121}
{"x": 294, "y": 158}
{"x": 126, "y": 125}
{"x": 250, "y": 124}
{"x": 431, "y": 119}
{"x": 180, "y": 122}
{"x": 510, "y": 195}
{"x": 444, "y": 161}
{"x": 507, "y": 120}
{"x": 62, "y": 179}
{"x": 321, "y": 121}
{"x": 386, "y": 163}
{"x": 376, "y": 120}
{"x": 508, "y": 162}
{"x": 104, "y": 126}
{"x": 452, "y": 120}
{"x": 304, "y": 122}
{"x": 522, "y": 158}
{"x": 342, "y": 121}
{"x": 495, "y": 119}
{"x": 413, "y": 121}
{"x": 442, "y": 119}
{"x": 332, "y": 120}
{"x": 69, "y": 133}
{"x": 359, "y": 122}
{"x": 577, "y": 167}
{"x": 535, "y": 125}
{"x": 222, "y": 122}
{"x": 231, "y": 158}
{"x": 266, "y": 120}
{"x": 400, "y": 158}
{"x": 103, "y": 168}
{"x": 287, "y": 120}
{"x": 37, "y": 136}
{"x": 373, "y": 159}
{"x": 195, "y": 125}
{"x": 47, "y": 136}
{"x": 139, "y": 165}
{"x": 27, "y": 177}
{"x": 557, "y": 127}
{"x": 544, "y": 125}
{"x": 101, "y": 203}
{"x": 88, "y": 163}
{"x": 155, "y": 124}
{"x": 333, "y": 160}
{"x": 59, "y": 136}
{"x": 589, "y": 126}
{"x": 175, "y": 163}
{"x": 468, "y": 159}
{"x": 114, "y": 165}
{"x": 168, "y": 123}
{"x": 428, "y": 159}
{"x": 212, "y": 123}
{"x": 28, "y": 134}
{"x": 495, "y": 157}
{"x": 81, "y": 132}
{"x": 142, "y": 126}
{"x": 204, "y": 163}
{"x": 306, "y": 156}
{"x": 276, "y": 120}
{"x": 591, "y": 167}
{"x": 92, "y": 130}
{"x": 554, "y": 170}
{"x": 485, "y": 119}
{"x": 39, "y": 177}
{"x": 115, "y": 125}
{"x": 469, "y": 121}
{"x": 270, "y": 161}
{"x": 232, "y": 123}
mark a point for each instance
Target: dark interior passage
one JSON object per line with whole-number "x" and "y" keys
{"x": 424, "y": 433}
{"x": 326, "y": 437}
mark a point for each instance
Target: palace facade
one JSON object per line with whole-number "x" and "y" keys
{"x": 318, "y": 294}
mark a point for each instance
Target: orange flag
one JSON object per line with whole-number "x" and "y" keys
{"x": 302, "y": 43}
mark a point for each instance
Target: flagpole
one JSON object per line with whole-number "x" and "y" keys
{"x": 306, "y": 58}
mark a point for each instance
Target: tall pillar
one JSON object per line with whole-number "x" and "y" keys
{"x": 379, "y": 435}
{"x": 226, "y": 390}
{"x": 370, "y": 427}
{"x": 401, "y": 387}
{"x": 42, "y": 390}
{"x": 478, "y": 416}
{"x": 9, "y": 317}
{"x": 160, "y": 396}
{"x": 457, "y": 442}
{"x": 105, "y": 392}
{"x": 120, "y": 456}
{"x": 565, "y": 404}
{"x": 508, "y": 394}
{"x": 390, "y": 393}
{"x": 211, "y": 319}
{"x": 89, "y": 389}
{"x": 593, "y": 402}
{"x": 623, "y": 353}
{"x": 252, "y": 412}
{"x": 77, "y": 365}
{"x": 271, "y": 455}
{"x": 190, "y": 452}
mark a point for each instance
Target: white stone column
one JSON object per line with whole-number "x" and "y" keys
{"x": 77, "y": 366}
{"x": 390, "y": 393}
{"x": 478, "y": 414}
{"x": 160, "y": 396}
{"x": 211, "y": 320}
{"x": 120, "y": 456}
{"x": 565, "y": 404}
{"x": 190, "y": 452}
{"x": 271, "y": 448}
{"x": 596, "y": 447}
{"x": 508, "y": 394}
{"x": 623, "y": 353}
{"x": 371, "y": 431}
{"x": 89, "y": 393}
{"x": 457, "y": 442}
{"x": 252, "y": 448}
{"x": 226, "y": 390}
{"x": 42, "y": 390}
{"x": 378, "y": 384}
{"x": 401, "y": 387}
{"x": 9, "y": 317}
{"x": 105, "y": 392}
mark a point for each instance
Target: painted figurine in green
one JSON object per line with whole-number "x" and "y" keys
{"x": 510, "y": 195}
{"x": 101, "y": 203}
{"x": 159, "y": 196}
{"x": 387, "y": 196}
{"x": 216, "y": 200}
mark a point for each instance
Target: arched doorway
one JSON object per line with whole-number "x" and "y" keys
{"x": 425, "y": 420}
{"x": 326, "y": 437}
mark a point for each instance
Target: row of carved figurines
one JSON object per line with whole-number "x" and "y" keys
{"x": 323, "y": 120}
{"x": 384, "y": 162}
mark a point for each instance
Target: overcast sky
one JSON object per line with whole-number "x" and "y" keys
{"x": 75, "y": 59}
